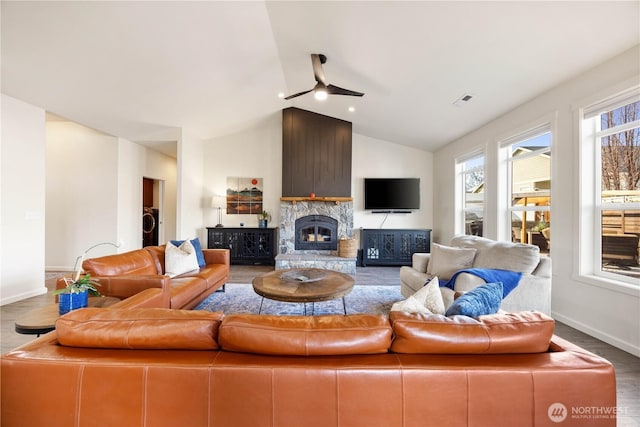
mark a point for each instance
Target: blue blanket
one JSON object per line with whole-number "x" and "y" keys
{"x": 509, "y": 279}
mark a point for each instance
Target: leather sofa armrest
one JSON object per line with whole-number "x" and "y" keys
{"x": 126, "y": 286}
{"x": 149, "y": 298}
{"x": 217, "y": 256}
{"x": 420, "y": 261}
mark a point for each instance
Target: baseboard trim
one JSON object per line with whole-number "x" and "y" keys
{"x": 609, "y": 339}
{"x": 57, "y": 268}
{"x": 22, "y": 296}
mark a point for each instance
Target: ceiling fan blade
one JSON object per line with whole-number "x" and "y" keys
{"x": 298, "y": 94}
{"x": 335, "y": 90}
{"x": 317, "y": 60}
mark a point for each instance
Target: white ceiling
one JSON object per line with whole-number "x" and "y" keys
{"x": 140, "y": 70}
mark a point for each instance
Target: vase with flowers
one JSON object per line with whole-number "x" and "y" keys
{"x": 76, "y": 294}
{"x": 263, "y": 219}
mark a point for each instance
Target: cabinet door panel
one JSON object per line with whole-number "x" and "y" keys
{"x": 393, "y": 247}
{"x": 246, "y": 245}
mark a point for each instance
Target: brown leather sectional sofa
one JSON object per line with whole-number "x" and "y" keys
{"x": 146, "y": 362}
{"x": 127, "y": 274}
{"x": 130, "y": 366}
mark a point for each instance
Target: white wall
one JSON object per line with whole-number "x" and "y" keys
{"x": 190, "y": 203}
{"x": 374, "y": 158}
{"x": 81, "y": 192}
{"x": 94, "y": 192}
{"x": 608, "y": 313}
{"x": 22, "y": 201}
{"x": 258, "y": 153}
{"x": 255, "y": 153}
{"x": 130, "y": 169}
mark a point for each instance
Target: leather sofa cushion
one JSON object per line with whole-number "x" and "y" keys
{"x": 305, "y": 335}
{"x": 522, "y": 332}
{"x": 138, "y": 262}
{"x": 139, "y": 328}
{"x": 183, "y": 290}
{"x": 212, "y": 274}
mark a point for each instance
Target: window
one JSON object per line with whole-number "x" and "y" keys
{"x": 471, "y": 174}
{"x": 611, "y": 142}
{"x": 529, "y": 187}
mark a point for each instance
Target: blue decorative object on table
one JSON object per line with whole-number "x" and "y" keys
{"x": 72, "y": 301}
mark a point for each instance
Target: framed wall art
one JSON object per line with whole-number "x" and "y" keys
{"x": 244, "y": 195}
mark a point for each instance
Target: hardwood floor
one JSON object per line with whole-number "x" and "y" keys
{"x": 627, "y": 366}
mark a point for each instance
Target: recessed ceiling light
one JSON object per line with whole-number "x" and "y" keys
{"x": 352, "y": 109}
{"x": 280, "y": 94}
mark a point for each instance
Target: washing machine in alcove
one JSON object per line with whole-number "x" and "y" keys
{"x": 150, "y": 227}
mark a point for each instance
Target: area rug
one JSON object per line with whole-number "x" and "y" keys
{"x": 240, "y": 298}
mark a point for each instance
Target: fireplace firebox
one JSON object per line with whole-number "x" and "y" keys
{"x": 316, "y": 232}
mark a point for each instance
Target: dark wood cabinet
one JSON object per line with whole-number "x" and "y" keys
{"x": 246, "y": 245}
{"x": 393, "y": 247}
{"x": 316, "y": 154}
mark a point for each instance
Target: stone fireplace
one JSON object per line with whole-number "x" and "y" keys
{"x": 316, "y": 159}
{"x": 309, "y": 232}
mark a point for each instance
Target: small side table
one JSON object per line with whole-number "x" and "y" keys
{"x": 43, "y": 319}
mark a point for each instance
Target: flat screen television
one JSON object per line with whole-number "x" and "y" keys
{"x": 392, "y": 194}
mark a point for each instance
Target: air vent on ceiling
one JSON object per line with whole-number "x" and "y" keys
{"x": 463, "y": 100}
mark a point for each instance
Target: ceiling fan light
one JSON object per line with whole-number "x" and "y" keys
{"x": 320, "y": 94}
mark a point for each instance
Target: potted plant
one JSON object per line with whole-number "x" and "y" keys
{"x": 76, "y": 293}
{"x": 263, "y": 219}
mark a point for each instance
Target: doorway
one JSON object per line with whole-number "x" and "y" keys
{"x": 151, "y": 203}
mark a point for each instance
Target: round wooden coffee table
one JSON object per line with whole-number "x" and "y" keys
{"x": 43, "y": 319}
{"x": 303, "y": 285}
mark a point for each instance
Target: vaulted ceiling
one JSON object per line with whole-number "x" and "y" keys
{"x": 141, "y": 69}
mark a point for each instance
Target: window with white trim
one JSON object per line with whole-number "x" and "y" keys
{"x": 471, "y": 188}
{"x": 611, "y": 190}
{"x": 529, "y": 186}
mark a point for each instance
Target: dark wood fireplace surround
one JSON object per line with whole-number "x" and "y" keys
{"x": 316, "y": 155}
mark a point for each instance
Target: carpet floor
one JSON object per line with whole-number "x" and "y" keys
{"x": 240, "y": 298}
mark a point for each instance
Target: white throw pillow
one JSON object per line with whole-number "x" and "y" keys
{"x": 179, "y": 260}
{"x": 446, "y": 260}
{"x": 427, "y": 300}
{"x": 410, "y": 305}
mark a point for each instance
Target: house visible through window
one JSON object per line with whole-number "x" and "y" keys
{"x": 471, "y": 170}
{"x": 529, "y": 170}
{"x": 611, "y": 130}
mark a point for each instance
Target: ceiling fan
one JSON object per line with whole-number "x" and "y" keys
{"x": 321, "y": 90}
